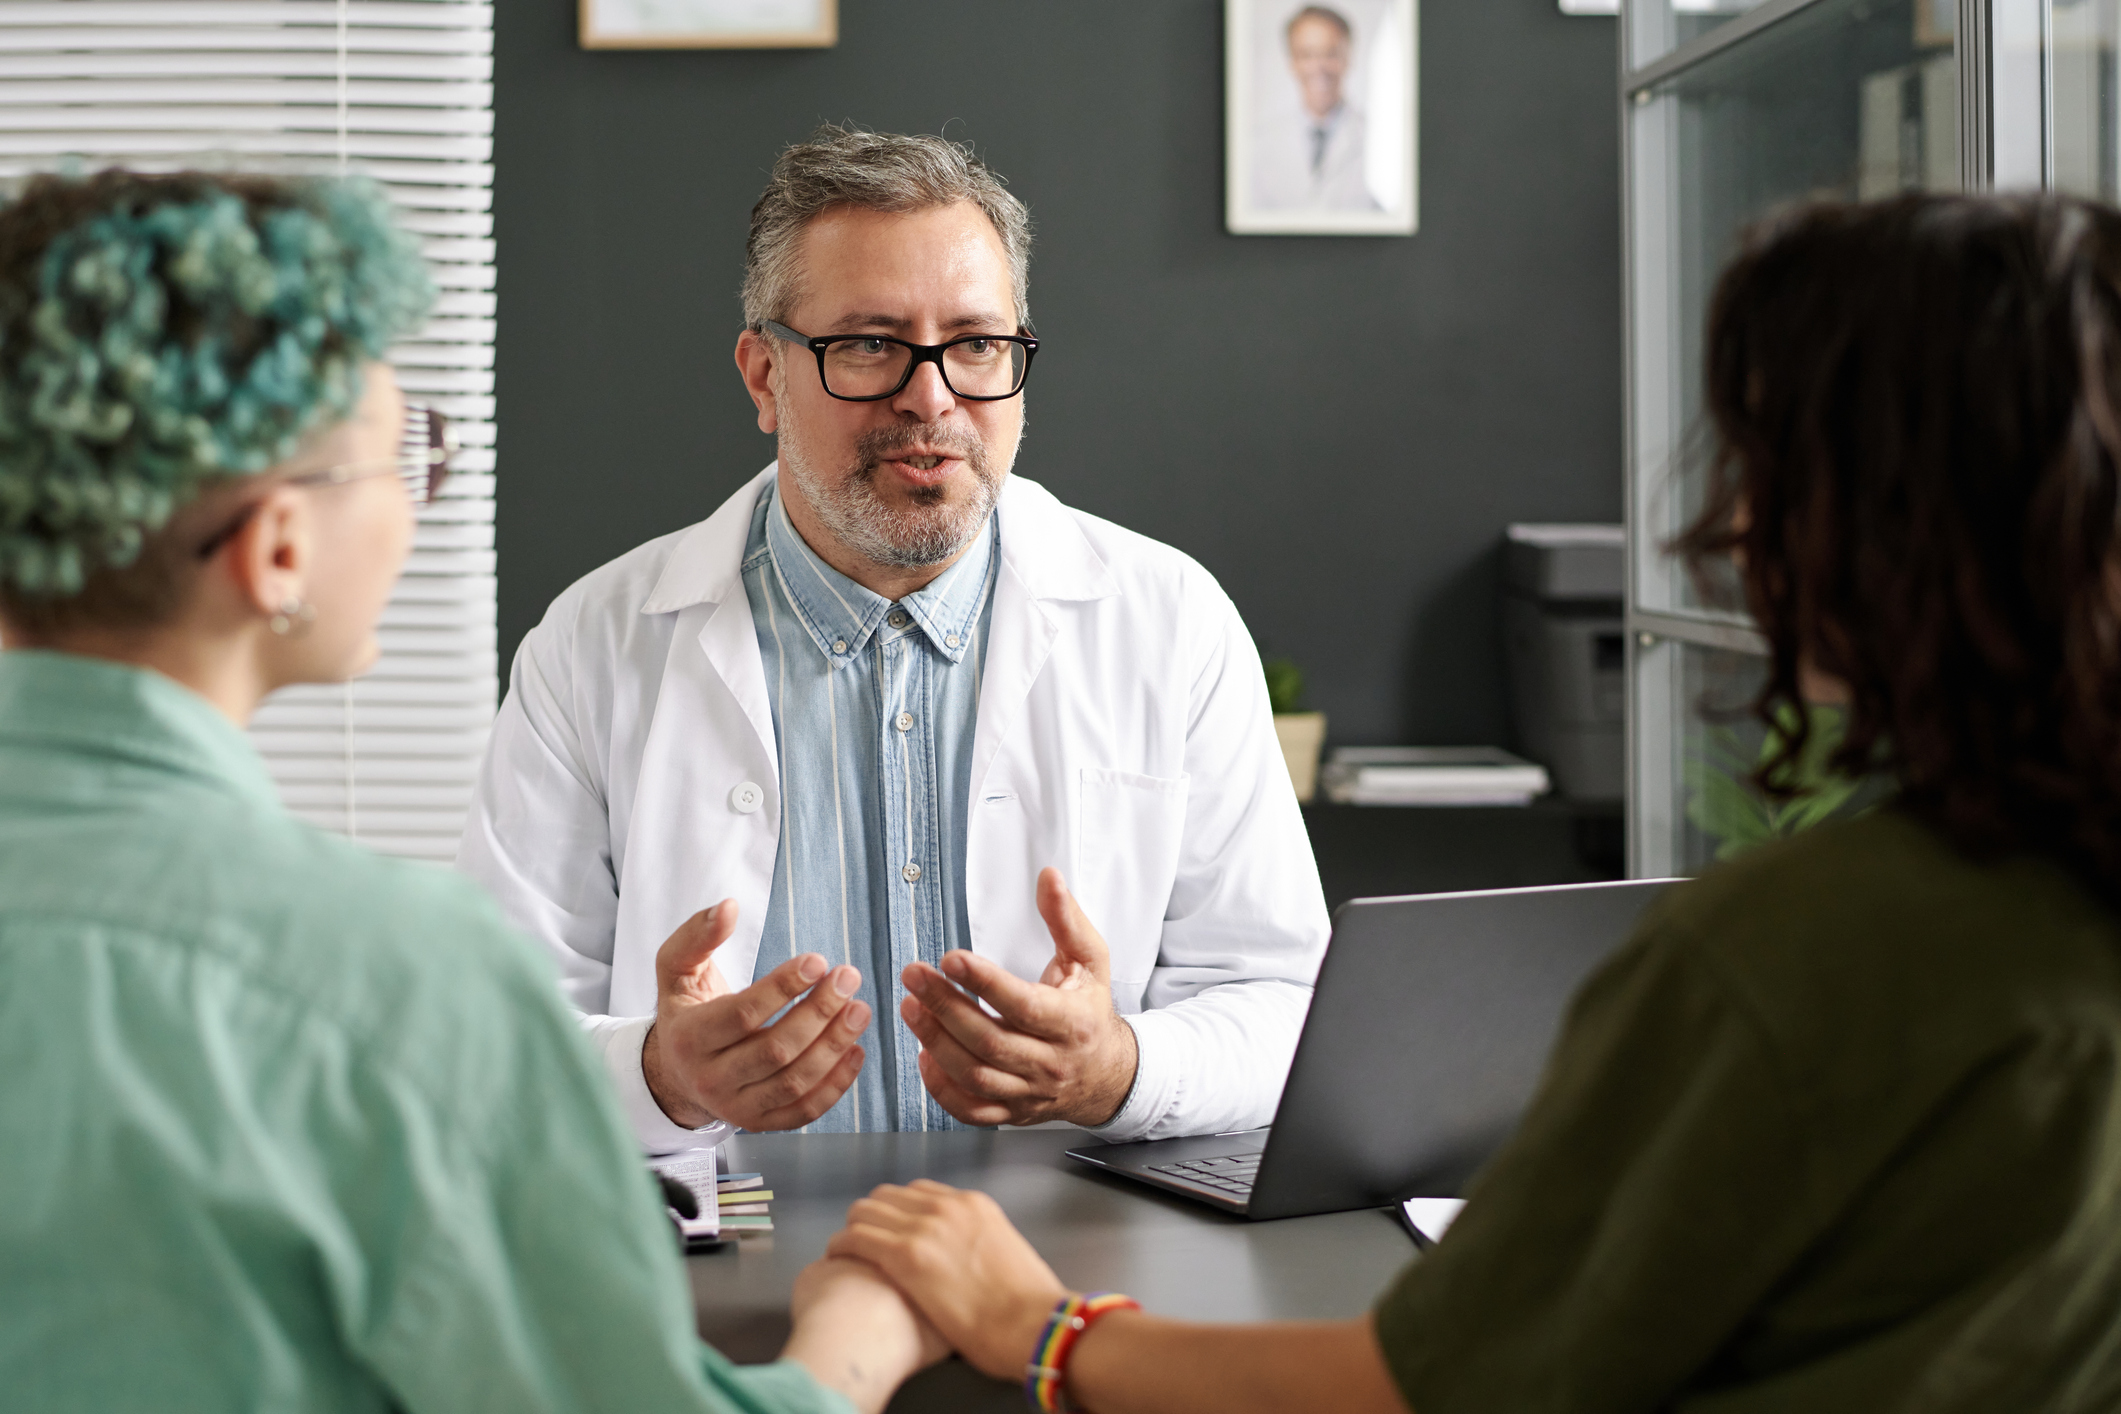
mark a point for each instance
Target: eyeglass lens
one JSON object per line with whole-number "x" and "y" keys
{"x": 872, "y": 368}
{"x": 424, "y": 452}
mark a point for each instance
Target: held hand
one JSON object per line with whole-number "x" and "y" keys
{"x": 1058, "y": 1049}
{"x": 710, "y": 1055}
{"x": 954, "y": 1254}
{"x": 856, "y": 1333}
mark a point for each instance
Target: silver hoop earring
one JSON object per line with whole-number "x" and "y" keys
{"x": 294, "y": 617}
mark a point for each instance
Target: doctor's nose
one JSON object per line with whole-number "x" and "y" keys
{"x": 926, "y": 396}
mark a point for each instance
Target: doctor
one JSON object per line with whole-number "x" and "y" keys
{"x": 1315, "y": 162}
{"x": 791, "y": 792}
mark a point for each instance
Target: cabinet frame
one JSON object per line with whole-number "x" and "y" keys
{"x": 2004, "y": 56}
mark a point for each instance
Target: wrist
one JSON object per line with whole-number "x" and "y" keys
{"x": 680, "y": 1110}
{"x": 1115, "y": 1081}
{"x": 1024, "y": 1327}
{"x": 852, "y": 1348}
{"x": 1052, "y": 1355}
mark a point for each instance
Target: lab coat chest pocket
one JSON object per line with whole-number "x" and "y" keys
{"x": 1131, "y": 828}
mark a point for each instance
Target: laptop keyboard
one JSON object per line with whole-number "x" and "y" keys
{"x": 1231, "y": 1174}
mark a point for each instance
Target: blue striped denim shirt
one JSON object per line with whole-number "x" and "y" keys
{"x": 874, "y": 707}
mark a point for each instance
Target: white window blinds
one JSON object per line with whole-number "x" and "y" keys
{"x": 400, "y": 90}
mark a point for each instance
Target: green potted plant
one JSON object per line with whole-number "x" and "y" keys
{"x": 1725, "y": 805}
{"x": 1302, "y": 734}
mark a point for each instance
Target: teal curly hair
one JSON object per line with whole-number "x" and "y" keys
{"x": 158, "y": 332}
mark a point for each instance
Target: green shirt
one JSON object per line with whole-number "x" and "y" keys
{"x": 287, "y": 1125}
{"x": 1838, "y": 1130}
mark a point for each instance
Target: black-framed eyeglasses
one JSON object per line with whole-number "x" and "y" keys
{"x": 425, "y": 449}
{"x": 867, "y": 368}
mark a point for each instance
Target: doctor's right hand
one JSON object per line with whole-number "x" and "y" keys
{"x": 710, "y": 1054}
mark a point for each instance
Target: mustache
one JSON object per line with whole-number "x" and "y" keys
{"x": 883, "y": 443}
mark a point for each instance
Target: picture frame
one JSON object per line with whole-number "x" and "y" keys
{"x": 709, "y": 24}
{"x": 1321, "y": 117}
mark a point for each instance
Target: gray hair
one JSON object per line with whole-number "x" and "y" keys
{"x": 847, "y": 166}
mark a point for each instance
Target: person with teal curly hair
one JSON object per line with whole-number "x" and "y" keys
{"x": 162, "y": 334}
{"x": 283, "y": 1123}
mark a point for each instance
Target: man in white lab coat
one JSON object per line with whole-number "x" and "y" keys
{"x": 896, "y": 794}
{"x": 1316, "y": 161}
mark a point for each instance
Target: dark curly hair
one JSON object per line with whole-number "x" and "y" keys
{"x": 1916, "y": 409}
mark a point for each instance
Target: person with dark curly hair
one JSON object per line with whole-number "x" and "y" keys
{"x": 1839, "y": 1129}
{"x": 283, "y": 1124}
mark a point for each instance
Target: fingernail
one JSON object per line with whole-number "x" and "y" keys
{"x": 810, "y": 967}
{"x": 847, "y": 981}
{"x": 916, "y": 980}
{"x": 857, "y": 1016}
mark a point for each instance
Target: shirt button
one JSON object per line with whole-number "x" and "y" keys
{"x": 899, "y": 618}
{"x": 747, "y": 798}
{"x": 839, "y": 645}
{"x": 911, "y": 873}
{"x": 904, "y": 721}
{"x": 949, "y": 640}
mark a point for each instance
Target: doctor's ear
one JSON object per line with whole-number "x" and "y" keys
{"x": 757, "y": 361}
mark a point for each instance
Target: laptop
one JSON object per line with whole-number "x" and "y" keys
{"x": 1427, "y": 1034}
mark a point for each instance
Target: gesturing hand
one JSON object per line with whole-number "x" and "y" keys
{"x": 1058, "y": 1050}
{"x": 953, "y": 1252}
{"x": 710, "y": 1055}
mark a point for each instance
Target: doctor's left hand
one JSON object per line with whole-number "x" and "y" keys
{"x": 1057, "y": 1048}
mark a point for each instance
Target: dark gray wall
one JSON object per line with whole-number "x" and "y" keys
{"x": 1338, "y": 428}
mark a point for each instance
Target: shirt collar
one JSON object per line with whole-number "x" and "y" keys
{"x": 841, "y": 616}
{"x": 95, "y": 707}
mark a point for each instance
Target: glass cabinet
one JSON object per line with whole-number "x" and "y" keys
{"x": 1731, "y": 108}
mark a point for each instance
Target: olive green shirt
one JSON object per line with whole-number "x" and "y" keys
{"x": 1838, "y": 1130}
{"x": 288, "y": 1125}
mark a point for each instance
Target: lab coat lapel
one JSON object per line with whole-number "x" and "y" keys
{"x": 731, "y": 644}
{"x": 1018, "y": 809}
{"x": 1045, "y": 560}
{"x": 713, "y": 731}
{"x": 1023, "y": 636}
{"x": 707, "y": 572}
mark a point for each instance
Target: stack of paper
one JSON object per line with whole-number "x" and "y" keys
{"x": 731, "y": 1204}
{"x": 1431, "y": 775}
{"x": 742, "y": 1199}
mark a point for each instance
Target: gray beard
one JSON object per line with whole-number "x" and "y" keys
{"x": 929, "y": 532}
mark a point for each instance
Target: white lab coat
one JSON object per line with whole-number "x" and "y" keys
{"x": 1283, "y": 177}
{"x": 1123, "y": 735}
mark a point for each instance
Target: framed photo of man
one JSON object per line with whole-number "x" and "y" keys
{"x": 1320, "y": 125}
{"x": 709, "y": 24}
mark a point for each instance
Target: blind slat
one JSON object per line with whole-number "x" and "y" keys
{"x": 241, "y": 38}
{"x": 137, "y": 15}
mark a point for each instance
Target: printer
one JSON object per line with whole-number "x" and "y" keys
{"x": 1565, "y": 652}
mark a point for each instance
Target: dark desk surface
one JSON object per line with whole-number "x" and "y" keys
{"x": 1100, "y": 1233}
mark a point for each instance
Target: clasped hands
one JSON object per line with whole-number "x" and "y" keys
{"x": 1054, "y": 1049}
{"x": 919, "y": 1272}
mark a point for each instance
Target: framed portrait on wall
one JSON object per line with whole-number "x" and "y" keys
{"x": 709, "y": 24}
{"x": 1319, "y": 125}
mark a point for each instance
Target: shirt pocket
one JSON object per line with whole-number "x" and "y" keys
{"x": 1131, "y": 830}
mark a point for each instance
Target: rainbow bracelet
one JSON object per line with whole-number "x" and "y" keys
{"x": 1045, "y": 1378}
